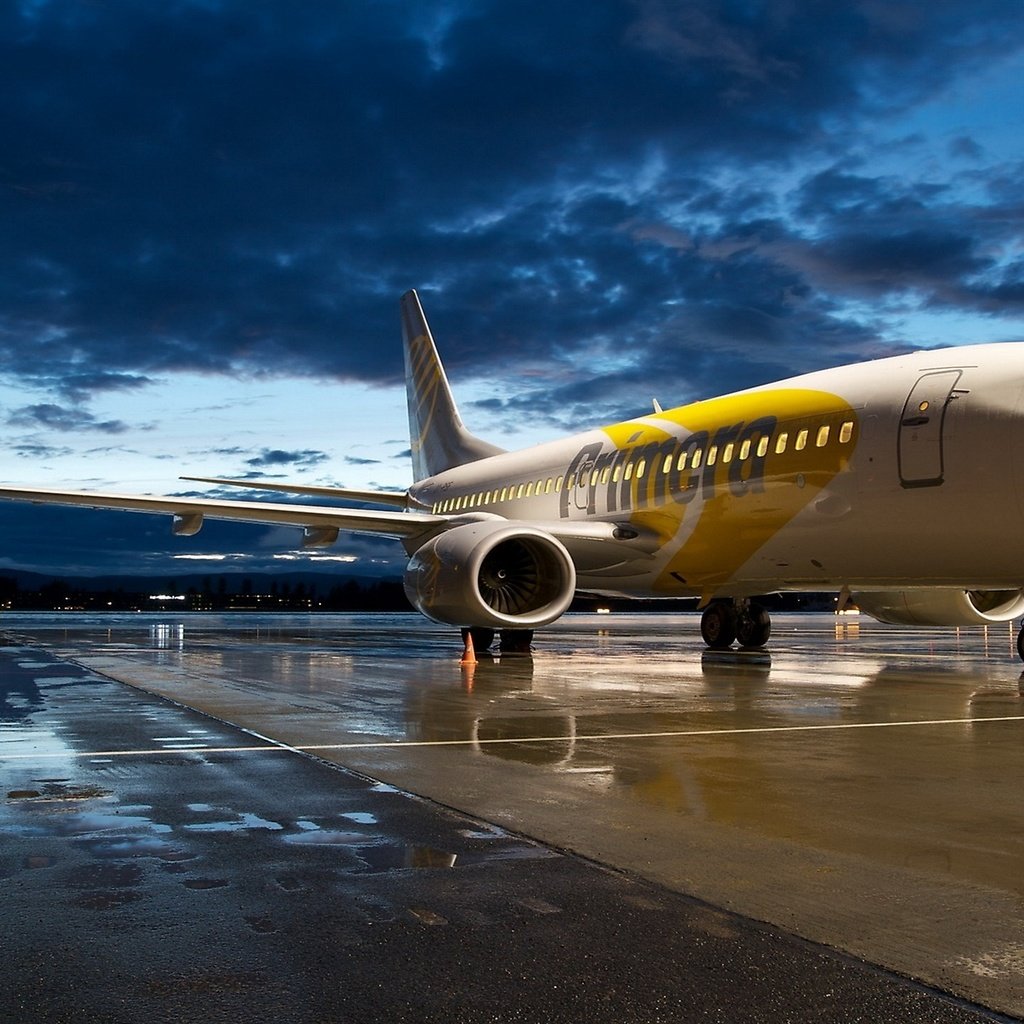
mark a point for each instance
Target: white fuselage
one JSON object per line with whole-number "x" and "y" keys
{"x": 903, "y": 470}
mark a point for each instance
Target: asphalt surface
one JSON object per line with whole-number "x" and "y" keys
{"x": 159, "y": 864}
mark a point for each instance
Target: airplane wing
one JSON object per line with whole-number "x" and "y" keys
{"x": 392, "y": 499}
{"x": 190, "y": 512}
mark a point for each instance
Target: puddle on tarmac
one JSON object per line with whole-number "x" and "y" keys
{"x": 361, "y": 818}
{"x": 134, "y": 846}
{"x": 397, "y": 857}
{"x": 57, "y": 789}
{"x": 68, "y": 822}
{"x": 375, "y": 854}
{"x": 491, "y": 832}
{"x": 244, "y": 822}
{"x": 325, "y": 837}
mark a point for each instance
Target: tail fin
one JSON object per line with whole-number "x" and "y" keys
{"x": 439, "y": 440}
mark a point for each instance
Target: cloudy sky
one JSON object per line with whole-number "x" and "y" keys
{"x": 209, "y": 209}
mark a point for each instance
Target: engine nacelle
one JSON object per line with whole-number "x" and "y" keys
{"x": 491, "y": 574}
{"x": 940, "y": 607}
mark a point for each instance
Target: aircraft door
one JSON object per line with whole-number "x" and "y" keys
{"x": 921, "y": 427}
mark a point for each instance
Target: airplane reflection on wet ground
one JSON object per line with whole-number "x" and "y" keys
{"x": 859, "y": 786}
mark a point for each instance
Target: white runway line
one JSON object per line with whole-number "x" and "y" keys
{"x": 595, "y": 738}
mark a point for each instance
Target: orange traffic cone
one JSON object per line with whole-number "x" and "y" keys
{"x": 469, "y": 653}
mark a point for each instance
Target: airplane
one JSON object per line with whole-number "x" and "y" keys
{"x": 894, "y": 483}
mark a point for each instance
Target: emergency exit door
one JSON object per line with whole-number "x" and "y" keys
{"x": 921, "y": 429}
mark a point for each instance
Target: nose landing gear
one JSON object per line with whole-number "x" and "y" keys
{"x": 724, "y": 622}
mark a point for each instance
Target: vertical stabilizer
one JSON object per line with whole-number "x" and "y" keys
{"x": 438, "y": 439}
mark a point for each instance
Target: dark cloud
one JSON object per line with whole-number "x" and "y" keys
{"x": 966, "y": 148}
{"x": 56, "y": 417}
{"x": 77, "y": 386}
{"x": 29, "y": 450}
{"x": 277, "y": 457}
{"x": 354, "y": 460}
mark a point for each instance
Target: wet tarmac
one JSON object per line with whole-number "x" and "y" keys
{"x": 234, "y": 834}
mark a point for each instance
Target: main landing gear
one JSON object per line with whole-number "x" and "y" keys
{"x": 725, "y": 622}
{"x": 510, "y": 641}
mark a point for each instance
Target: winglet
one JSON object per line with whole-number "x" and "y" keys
{"x": 438, "y": 439}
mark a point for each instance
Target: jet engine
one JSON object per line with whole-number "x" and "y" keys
{"x": 493, "y": 575}
{"x": 938, "y": 607}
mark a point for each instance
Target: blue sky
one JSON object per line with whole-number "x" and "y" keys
{"x": 208, "y": 211}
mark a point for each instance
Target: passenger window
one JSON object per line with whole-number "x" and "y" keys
{"x": 547, "y": 486}
{"x": 780, "y": 444}
{"x": 681, "y": 461}
{"x": 822, "y": 439}
{"x": 617, "y": 473}
{"x": 745, "y": 450}
{"x": 570, "y": 483}
{"x": 529, "y": 489}
{"x": 540, "y": 485}
{"x": 521, "y": 491}
{"x": 697, "y": 456}
{"x": 629, "y": 471}
{"x": 593, "y": 478}
{"x": 727, "y": 453}
{"x": 801, "y": 441}
{"x": 504, "y": 494}
{"x": 762, "y": 446}
{"x": 605, "y": 474}
{"x": 666, "y": 466}
{"x": 712, "y": 454}
{"x": 640, "y": 467}
{"x": 558, "y": 484}
{"x": 846, "y": 432}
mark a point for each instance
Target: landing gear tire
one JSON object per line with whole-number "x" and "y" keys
{"x": 516, "y": 641}
{"x": 482, "y": 638}
{"x": 1020, "y": 642}
{"x": 718, "y": 625}
{"x": 754, "y": 626}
